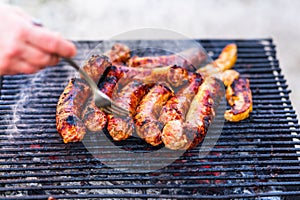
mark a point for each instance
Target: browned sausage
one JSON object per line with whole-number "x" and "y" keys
{"x": 177, "y": 106}
{"x": 74, "y": 97}
{"x": 93, "y": 117}
{"x": 147, "y": 125}
{"x": 120, "y": 128}
{"x": 68, "y": 111}
{"x": 225, "y": 61}
{"x": 239, "y": 97}
{"x": 95, "y": 66}
{"x": 179, "y": 135}
{"x": 188, "y": 59}
{"x": 172, "y": 74}
{"x": 118, "y": 54}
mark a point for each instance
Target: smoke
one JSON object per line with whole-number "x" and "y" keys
{"x": 33, "y": 91}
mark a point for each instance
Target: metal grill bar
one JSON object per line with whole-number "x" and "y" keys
{"x": 255, "y": 158}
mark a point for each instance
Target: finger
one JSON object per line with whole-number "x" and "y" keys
{"x": 54, "y": 60}
{"x": 27, "y": 68}
{"x": 17, "y": 67}
{"x": 50, "y": 42}
{"x": 37, "y": 56}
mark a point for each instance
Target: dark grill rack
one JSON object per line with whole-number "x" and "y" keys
{"x": 253, "y": 159}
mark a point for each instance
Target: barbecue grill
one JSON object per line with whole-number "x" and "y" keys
{"x": 256, "y": 158}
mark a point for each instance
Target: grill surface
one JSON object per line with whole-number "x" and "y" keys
{"x": 253, "y": 159}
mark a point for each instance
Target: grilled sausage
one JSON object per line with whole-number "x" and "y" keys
{"x": 68, "y": 111}
{"x": 229, "y": 76}
{"x": 178, "y": 105}
{"x": 179, "y": 135}
{"x": 239, "y": 97}
{"x": 74, "y": 97}
{"x": 95, "y": 66}
{"x": 225, "y": 61}
{"x": 175, "y": 110}
{"x": 120, "y": 128}
{"x": 118, "y": 54}
{"x": 172, "y": 74}
{"x": 147, "y": 125}
{"x": 93, "y": 117}
{"x": 189, "y": 59}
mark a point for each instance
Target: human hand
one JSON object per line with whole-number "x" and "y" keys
{"x": 26, "y": 48}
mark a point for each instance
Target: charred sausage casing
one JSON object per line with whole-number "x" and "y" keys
{"x": 202, "y": 110}
{"x": 239, "y": 97}
{"x": 119, "y": 54}
{"x": 189, "y": 59}
{"x": 175, "y": 110}
{"x": 120, "y": 128}
{"x": 180, "y": 135}
{"x": 93, "y": 117}
{"x": 147, "y": 125}
{"x": 172, "y": 74}
{"x": 178, "y": 105}
{"x": 74, "y": 97}
{"x": 96, "y": 66}
{"x": 68, "y": 112}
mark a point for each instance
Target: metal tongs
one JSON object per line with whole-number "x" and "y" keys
{"x": 101, "y": 99}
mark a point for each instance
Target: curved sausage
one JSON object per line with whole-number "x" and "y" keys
{"x": 189, "y": 59}
{"x": 184, "y": 135}
{"x": 69, "y": 122}
{"x": 96, "y": 66}
{"x": 68, "y": 111}
{"x": 93, "y": 117}
{"x": 239, "y": 97}
{"x": 225, "y": 61}
{"x": 120, "y": 128}
{"x": 178, "y": 105}
{"x": 118, "y": 54}
{"x": 147, "y": 125}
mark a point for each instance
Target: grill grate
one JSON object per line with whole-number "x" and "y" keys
{"x": 253, "y": 159}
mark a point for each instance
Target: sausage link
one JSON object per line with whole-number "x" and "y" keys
{"x": 95, "y": 66}
{"x": 68, "y": 111}
{"x": 147, "y": 125}
{"x": 120, "y": 128}
{"x": 189, "y": 59}
{"x": 179, "y": 135}
{"x": 74, "y": 97}
{"x": 239, "y": 97}
{"x": 118, "y": 54}
{"x": 177, "y": 106}
{"x": 93, "y": 117}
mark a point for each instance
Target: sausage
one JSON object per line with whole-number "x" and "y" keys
{"x": 120, "y": 128}
{"x": 179, "y": 135}
{"x": 95, "y": 66}
{"x": 178, "y": 105}
{"x": 147, "y": 125}
{"x": 68, "y": 111}
{"x": 118, "y": 54}
{"x": 172, "y": 74}
{"x": 225, "y": 61}
{"x": 229, "y": 76}
{"x": 175, "y": 110}
{"x": 239, "y": 97}
{"x": 93, "y": 117}
{"x": 69, "y": 122}
{"x": 189, "y": 59}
